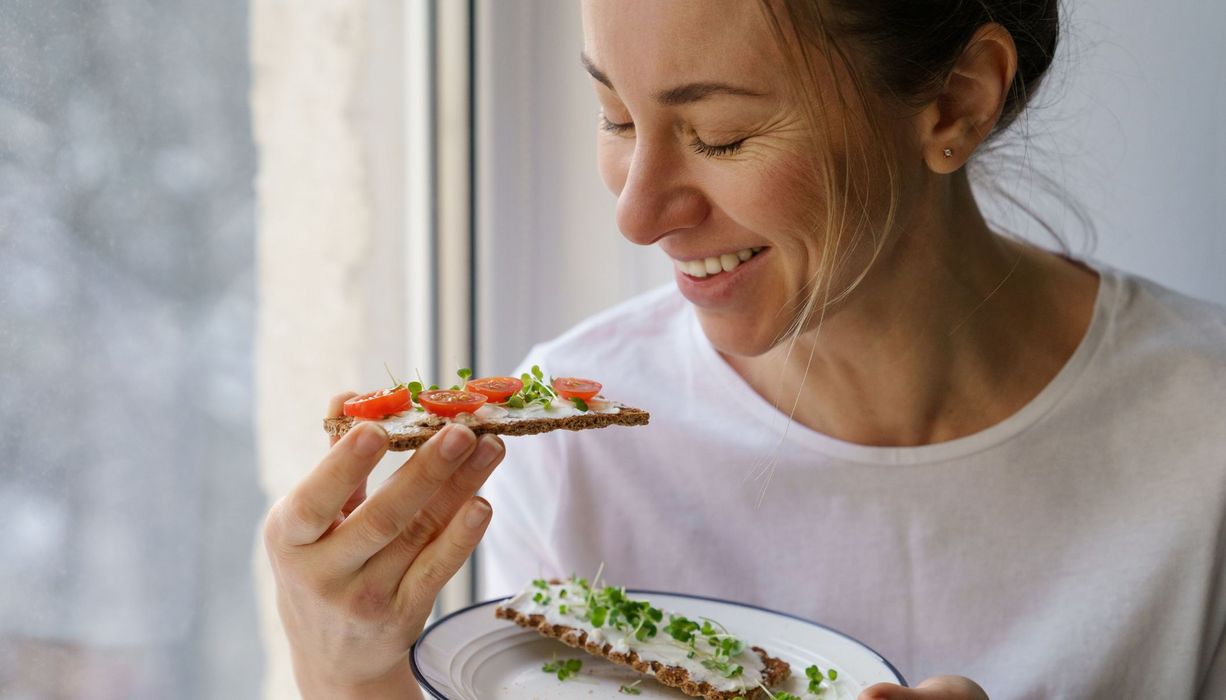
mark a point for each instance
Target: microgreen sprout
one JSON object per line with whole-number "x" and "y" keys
{"x": 631, "y": 689}
{"x": 534, "y": 391}
{"x": 564, "y": 668}
{"x": 610, "y": 607}
{"x": 814, "y": 674}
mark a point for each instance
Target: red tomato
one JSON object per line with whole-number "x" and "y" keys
{"x": 378, "y": 404}
{"x": 496, "y": 389}
{"x": 449, "y": 404}
{"x": 576, "y": 388}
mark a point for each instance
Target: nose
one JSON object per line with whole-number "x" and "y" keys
{"x": 657, "y": 197}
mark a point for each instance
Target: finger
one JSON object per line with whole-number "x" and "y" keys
{"x": 935, "y": 688}
{"x": 444, "y": 556}
{"x": 394, "y": 559}
{"x": 389, "y": 510}
{"x": 355, "y": 499}
{"x": 311, "y": 508}
{"x": 335, "y": 409}
{"x": 336, "y": 405}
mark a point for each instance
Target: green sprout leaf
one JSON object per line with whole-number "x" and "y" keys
{"x": 631, "y": 689}
{"x": 564, "y": 668}
{"x": 579, "y": 404}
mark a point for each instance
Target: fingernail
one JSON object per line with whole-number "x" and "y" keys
{"x": 371, "y": 439}
{"x": 478, "y": 513}
{"x": 456, "y": 442}
{"x": 488, "y": 449}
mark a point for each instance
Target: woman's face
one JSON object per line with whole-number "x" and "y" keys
{"x": 710, "y": 157}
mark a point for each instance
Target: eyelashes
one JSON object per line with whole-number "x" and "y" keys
{"x": 614, "y": 127}
{"x": 713, "y": 151}
{"x": 697, "y": 145}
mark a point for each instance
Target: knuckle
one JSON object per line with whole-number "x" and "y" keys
{"x": 437, "y": 573}
{"x": 418, "y": 534}
{"x": 377, "y": 524}
{"x": 423, "y": 527}
{"x": 271, "y": 528}
{"x": 302, "y": 513}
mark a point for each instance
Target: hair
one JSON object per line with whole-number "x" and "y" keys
{"x": 898, "y": 56}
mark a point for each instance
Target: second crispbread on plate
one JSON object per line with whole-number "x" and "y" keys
{"x": 699, "y": 657}
{"x": 411, "y": 436}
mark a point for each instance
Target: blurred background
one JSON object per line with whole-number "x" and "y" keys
{"x": 216, "y": 214}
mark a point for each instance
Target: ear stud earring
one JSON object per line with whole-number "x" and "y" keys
{"x": 949, "y": 153}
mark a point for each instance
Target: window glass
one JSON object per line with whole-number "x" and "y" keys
{"x": 127, "y": 469}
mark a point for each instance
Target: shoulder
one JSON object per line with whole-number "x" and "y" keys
{"x": 1159, "y": 351}
{"x": 1155, "y": 323}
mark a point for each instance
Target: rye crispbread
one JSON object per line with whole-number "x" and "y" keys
{"x": 413, "y": 437}
{"x": 777, "y": 670}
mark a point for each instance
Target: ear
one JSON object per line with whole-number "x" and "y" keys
{"x": 970, "y": 104}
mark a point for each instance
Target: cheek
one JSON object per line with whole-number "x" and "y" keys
{"x": 778, "y": 199}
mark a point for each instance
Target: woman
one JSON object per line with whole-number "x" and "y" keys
{"x": 868, "y": 408}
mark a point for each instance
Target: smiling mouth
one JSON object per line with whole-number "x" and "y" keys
{"x": 710, "y": 267}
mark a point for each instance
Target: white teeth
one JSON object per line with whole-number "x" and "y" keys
{"x": 713, "y": 266}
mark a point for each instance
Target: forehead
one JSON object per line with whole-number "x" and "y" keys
{"x": 652, "y": 44}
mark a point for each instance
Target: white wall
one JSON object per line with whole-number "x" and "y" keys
{"x": 1132, "y": 116}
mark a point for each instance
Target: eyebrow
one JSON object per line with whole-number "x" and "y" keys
{"x": 680, "y": 95}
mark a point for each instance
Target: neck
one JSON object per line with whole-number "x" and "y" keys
{"x": 953, "y": 330}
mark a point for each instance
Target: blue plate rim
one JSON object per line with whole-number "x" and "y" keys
{"x": 434, "y": 692}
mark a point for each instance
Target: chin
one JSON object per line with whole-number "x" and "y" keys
{"x": 742, "y": 335}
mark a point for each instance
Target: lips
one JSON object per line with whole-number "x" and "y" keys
{"x": 730, "y": 287}
{"x": 702, "y": 268}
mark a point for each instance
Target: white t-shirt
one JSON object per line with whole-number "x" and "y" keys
{"x": 1075, "y": 550}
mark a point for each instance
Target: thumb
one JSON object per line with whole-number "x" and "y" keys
{"x": 935, "y": 688}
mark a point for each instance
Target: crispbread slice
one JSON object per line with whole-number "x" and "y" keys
{"x": 412, "y": 438}
{"x": 777, "y": 670}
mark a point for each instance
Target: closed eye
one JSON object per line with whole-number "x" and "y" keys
{"x": 698, "y": 145}
{"x": 614, "y": 127}
{"x": 714, "y": 151}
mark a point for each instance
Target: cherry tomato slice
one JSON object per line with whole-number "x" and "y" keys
{"x": 449, "y": 404}
{"x": 496, "y": 389}
{"x": 378, "y": 404}
{"x": 576, "y": 388}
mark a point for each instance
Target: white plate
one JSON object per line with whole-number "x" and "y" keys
{"x": 472, "y": 655}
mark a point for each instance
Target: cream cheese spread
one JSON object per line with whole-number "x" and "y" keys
{"x": 494, "y": 414}
{"x": 564, "y": 604}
